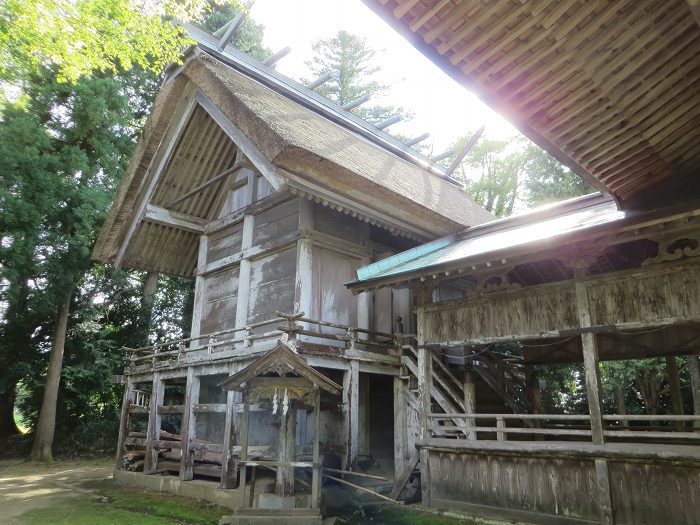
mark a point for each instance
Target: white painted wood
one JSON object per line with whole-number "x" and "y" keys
{"x": 180, "y": 118}
{"x": 250, "y": 150}
{"x": 175, "y": 219}
{"x": 199, "y": 285}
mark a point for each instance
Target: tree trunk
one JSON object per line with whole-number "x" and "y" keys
{"x": 43, "y": 439}
{"x": 7, "y": 417}
{"x": 620, "y": 402}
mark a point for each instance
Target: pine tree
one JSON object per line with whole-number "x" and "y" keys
{"x": 351, "y": 63}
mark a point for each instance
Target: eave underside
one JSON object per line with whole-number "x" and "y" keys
{"x": 610, "y": 88}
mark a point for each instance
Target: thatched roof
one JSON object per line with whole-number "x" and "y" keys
{"x": 309, "y": 152}
{"x": 610, "y": 88}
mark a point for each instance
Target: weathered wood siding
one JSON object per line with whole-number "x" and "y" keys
{"x": 548, "y": 486}
{"x": 643, "y": 296}
{"x": 220, "y": 291}
{"x": 642, "y": 492}
{"x": 333, "y": 302}
{"x": 225, "y": 242}
{"x": 632, "y": 298}
{"x": 524, "y": 313}
{"x": 272, "y": 285}
{"x": 645, "y": 494}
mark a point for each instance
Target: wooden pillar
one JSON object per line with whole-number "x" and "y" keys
{"x": 244, "y": 449}
{"x": 470, "y": 403}
{"x": 424, "y": 394}
{"x": 400, "y": 426}
{"x": 364, "y": 306}
{"x": 284, "y": 485}
{"x": 533, "y": 394}
{"x": 153, "y": 432}
{"x": 189, "y": 425}
{"x": 124, "y": 421}
{"x": 244, "y": 271}
{"x": 351, "y": 398}
{"x": 694, "y": 371}
{"x": 604, "y": 497}
{"x": 589, "y": 344}
{"x": 229, "y": 460}
{"x": 199, "y": 291}
{"x": 317, "y": 468}
{"x": 675, "y": 384}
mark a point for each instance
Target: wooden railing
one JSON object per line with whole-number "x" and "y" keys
{"x": 562, "y": 426}
{"x": 295, "y": 326}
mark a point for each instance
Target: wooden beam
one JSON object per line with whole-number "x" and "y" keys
{"x": 174, "y": 219}
{"x": 175, "y": 129}
{"x": 124, "y": 421}
{"x": 249, "y": 149}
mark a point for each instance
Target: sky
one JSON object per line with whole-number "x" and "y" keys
{"x": 440, "y": 106}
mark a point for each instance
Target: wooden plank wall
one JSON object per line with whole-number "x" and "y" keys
{"x": 548, "y": 486}
{"x": 664, "y": 293}
{"x": 642, "y": 493}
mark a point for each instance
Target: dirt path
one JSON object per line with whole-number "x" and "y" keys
{"x": 28, "y": 486}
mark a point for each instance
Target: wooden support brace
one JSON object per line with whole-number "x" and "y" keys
{"x": 125, "y": 421}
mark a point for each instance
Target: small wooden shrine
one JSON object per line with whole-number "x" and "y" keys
{"x": 284, "y": 382}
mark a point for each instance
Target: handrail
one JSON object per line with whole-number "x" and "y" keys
{"x": 208, "y": 341}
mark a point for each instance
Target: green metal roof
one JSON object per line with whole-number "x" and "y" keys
{"x": 538, "y": 225}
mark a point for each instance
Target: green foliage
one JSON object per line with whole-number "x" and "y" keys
{"x": 504, "y": 174}
{"x": 352, "y": 65}
{"x": 78, "y": 37}
{"x": 249, "y": 38}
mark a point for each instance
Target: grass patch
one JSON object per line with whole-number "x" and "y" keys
{"x": 116, "y": 505}
{"x": 396, "y": 515}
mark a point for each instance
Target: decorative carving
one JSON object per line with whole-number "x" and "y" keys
{"x": 674, "y": 249}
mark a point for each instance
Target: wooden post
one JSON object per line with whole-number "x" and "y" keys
{"x": 351, "y": 402}
{"x": 675, "y": 384}
{"x": 424, "y": 395}
{"x": 470, "y": 403}
{"x": 189, "y": 425}
{"x": 604, "y": 498}
{"x": 284, "y": 485}
{"x": 244, "y": 447}
{"x": 199, "y": 291}
{"x": 244, "y": 272}
{"x": 694, "y": 371}
{"x": 124, "y": 421}
{"x": 229, "y": 461}
{"x": 153, "y": 432}
{"x": 590, "y": 360}
{"x": 533, "y": 394}
{"x": 317, "y": 469}
{"x": 400, "y": 431}
{"x": 500, "y": 424}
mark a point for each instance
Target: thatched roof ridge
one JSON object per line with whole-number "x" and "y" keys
{"x": 311, "y": 147}
{"x": 304, "y": 146}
